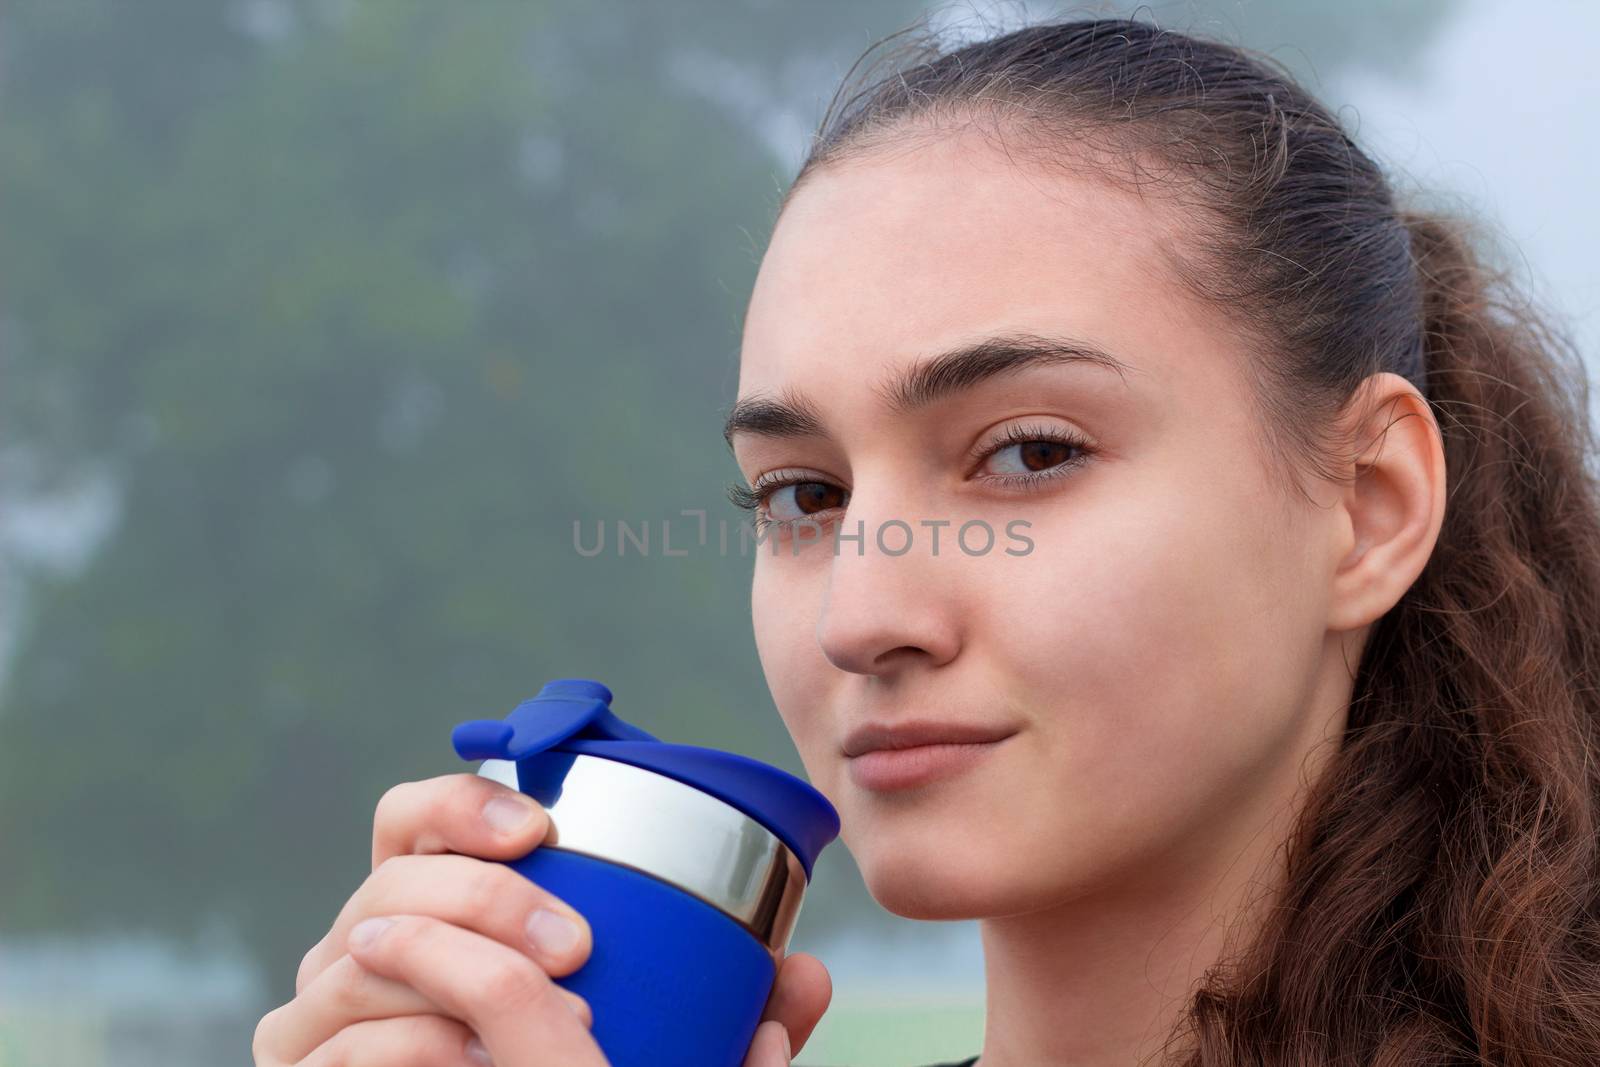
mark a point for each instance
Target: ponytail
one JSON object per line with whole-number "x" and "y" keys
{"x": 1443, "y": 902}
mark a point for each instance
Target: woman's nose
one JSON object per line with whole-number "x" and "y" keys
{"x": 890, "y": 601}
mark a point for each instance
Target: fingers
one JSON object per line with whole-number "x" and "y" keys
{"x": 800, "y": 996}
{"x": 407, "y": 1041}
{"x": 488, "y": 897}
{"x": 769, "y": 1047}
{"x": 506, "y": 998}
{"x": 344, "y": 994}
{"x": 464, "y": 813}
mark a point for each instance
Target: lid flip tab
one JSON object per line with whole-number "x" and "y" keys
{"x": 565, "y": 709}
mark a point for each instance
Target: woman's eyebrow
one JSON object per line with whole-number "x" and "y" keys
{"x": 791, "y": 415}
{"x": 787, "y": 415}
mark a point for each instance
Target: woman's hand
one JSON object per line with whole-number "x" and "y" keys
{"x": 458, "y": 968}
{"x": 454, "y": 977}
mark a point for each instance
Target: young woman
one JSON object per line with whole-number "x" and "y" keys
{"x": 1260, "y": 727}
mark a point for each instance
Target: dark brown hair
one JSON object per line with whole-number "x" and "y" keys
{"x": 1441, "y": 895}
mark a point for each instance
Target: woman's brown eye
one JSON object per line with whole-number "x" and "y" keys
{"x": 1041, "y": 455}
{"x": 800, "y": 499}
{"x": 1030, "y": 456}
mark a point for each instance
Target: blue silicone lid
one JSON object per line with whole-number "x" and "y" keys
{"x": 574, "y": 715}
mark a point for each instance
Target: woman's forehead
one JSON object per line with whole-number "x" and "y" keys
{"x": 957, "y": 198}
{"x": 918, "y": 249}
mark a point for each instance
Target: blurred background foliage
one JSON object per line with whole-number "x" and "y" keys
{"x": 320, "y": 325}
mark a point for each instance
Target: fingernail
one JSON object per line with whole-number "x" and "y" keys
{"x": 476, "y": 1052}
{"x": 551, "y": 932}
{"x": 788, "y": 1053}
{"x": 365, "y": 932}
{"x": 507, "y": 815}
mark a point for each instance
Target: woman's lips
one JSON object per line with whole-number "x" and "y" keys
{"x": 886, "y": 769}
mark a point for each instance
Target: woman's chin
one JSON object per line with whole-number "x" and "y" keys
{"x": 932, "y": 887}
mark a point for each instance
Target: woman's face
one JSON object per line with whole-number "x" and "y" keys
{"x": 1149, "y": 618}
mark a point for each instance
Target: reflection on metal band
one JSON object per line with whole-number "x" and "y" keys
{"x": 625, "y": 814}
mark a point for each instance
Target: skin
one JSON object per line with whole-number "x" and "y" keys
{"x": 1175, "y": 653}
{"x": 456, "y": 964}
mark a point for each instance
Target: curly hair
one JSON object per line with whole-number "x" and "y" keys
{"x": 1441, "y": 897}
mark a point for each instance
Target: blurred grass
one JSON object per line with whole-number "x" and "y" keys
{"x": 887, "y": 1029}
{"x": 37, "y": 1036}
{"x": 866, "y": 1029}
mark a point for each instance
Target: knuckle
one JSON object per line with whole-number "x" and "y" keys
{"x": 387, "y": 818}
{"x": 394, "y": 869}
{"x": 380, "y": 886}
{"x": 307, "y": 970}
{"x": 489, "y": 886}
{"x": 437, "y": 1032}
{"x": 479, "y": 888}
{"x": 340, "y": 1049}
{"x": 392, "y": 801}
{"x": 515, "y": 984}
{"x": 347, "y": 990}
{"x": 261, "y": 1041}
{"x": 432, "y": 1039}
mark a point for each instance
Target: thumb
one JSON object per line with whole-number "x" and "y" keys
{"x": 770, "y": 1047}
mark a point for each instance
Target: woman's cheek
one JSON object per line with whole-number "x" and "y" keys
{"x": 784, "y": 605}
{"x": 1150, "y": 669}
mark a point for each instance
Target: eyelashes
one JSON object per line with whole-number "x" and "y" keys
{"x": 749, "y": 499}
{"x": 1017, "y": 435}
{"x": 757, "y": 498}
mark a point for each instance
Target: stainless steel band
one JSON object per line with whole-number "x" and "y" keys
{"x": 625, "y": 814}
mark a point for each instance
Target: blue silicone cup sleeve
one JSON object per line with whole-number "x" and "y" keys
{"x": 672, "y": 982}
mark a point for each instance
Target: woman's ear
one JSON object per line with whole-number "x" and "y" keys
{"x": 1394, "y": 504}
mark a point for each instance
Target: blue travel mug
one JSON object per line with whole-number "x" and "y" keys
{"x": 688, "y": 863}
